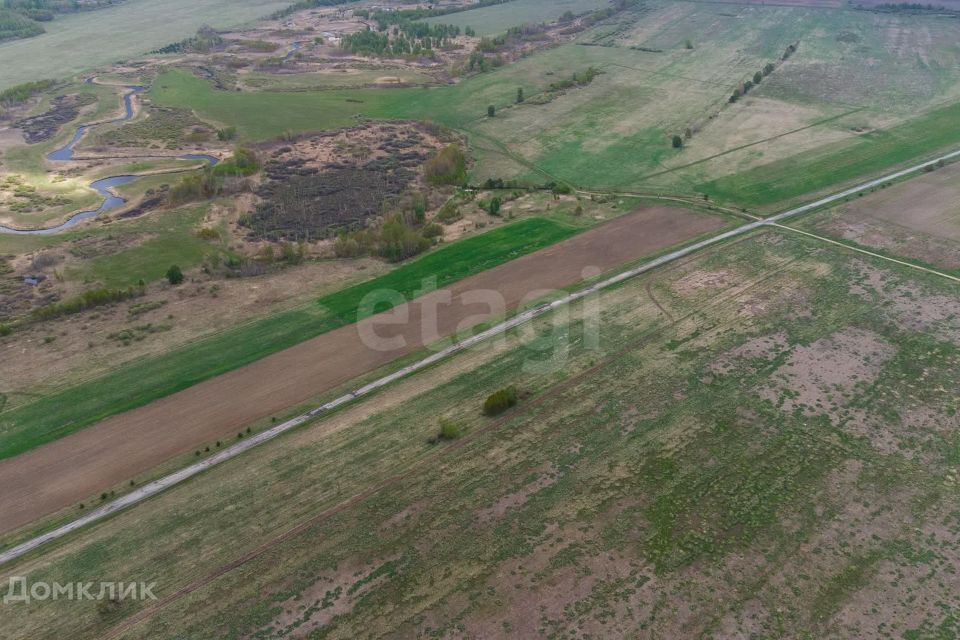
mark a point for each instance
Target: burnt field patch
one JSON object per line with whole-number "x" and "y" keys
{"x": 316, "y": 186}
{"x": 63, "y": 109}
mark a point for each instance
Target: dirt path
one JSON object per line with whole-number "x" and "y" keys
{"x": 64, "y": 472}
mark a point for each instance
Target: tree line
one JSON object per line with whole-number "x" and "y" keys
{"x": 758, "y": 77}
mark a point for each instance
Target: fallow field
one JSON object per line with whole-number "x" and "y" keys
{"x": 762, "y": 440}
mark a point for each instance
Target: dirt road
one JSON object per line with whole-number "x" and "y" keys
{"x": 64, "y": 472}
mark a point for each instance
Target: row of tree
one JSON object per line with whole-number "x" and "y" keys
{"x": 758, "y": 77}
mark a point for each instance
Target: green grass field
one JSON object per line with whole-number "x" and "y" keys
{"x": 700, "y": 474}
{"x": 811, "y": 171}
{"x": 79, "y": 42}
{"x": 139, "y": 382}
{"x": 171, "y": 239}
{"x": 488, "y": 21}
{"x": 333, "y": 78}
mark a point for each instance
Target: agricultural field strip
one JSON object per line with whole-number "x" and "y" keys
{"x": 867, "y": 252}
{"x": 157, "y": 486}
{"x": 812, "y": 125}
{"x": 672, "y": 76}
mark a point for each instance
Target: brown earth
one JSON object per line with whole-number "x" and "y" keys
{"x": 57, "y": 475}
{"x": 927, "y": 204}
{"x": 918, "y": 219}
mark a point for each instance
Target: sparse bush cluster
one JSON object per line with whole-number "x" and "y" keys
{"x": 86, "y": 300}
{"x": 395, "y": 239}
{"x": 270, "y": 257}
{"x": 226, "y": 177}
{"x": 449, "y": 213}
{"x": 22, "y": 92}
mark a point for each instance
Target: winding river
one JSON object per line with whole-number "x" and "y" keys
{"x": 104, "y": 185}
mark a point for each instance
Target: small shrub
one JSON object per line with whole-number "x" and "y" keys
{"x": 447, "y": 166}
{"x": 499, "y": 401}
{"x": 449, "y": 213}
{"x": 449, "y": 430}
{"x": 491, "y": 111}
{"x": 677, "y": 142}
{"x": 174, "y": 275}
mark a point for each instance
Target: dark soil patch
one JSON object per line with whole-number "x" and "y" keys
{"x": 63, "y": 109}
{"x": 146, "y": 205}
{"x": 307, "y": 198}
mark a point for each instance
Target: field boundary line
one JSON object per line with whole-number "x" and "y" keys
{"x": 872, "y": 254}
{"x": 751, "y": 144}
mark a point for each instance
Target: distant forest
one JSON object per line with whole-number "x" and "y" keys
{"x": 25, "y": 18}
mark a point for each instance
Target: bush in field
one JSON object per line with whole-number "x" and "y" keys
{"x": 677, "y": 142}
{"x": 493, "y": 208}
{"x": 244, "y": 162}
{"x": 449, "y": 212}
{"x": 174, "y": 275}
{"x": 399, "y": 242}
{"x": 196, "y": 187}
{"x": 227, "y": 133}
{"x": 447, "y": 166}
{"x": 500, "y": 401}
{"x": 449, "y": 430}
